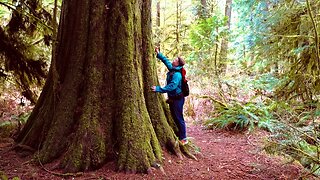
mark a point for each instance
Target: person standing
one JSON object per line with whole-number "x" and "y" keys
{"x": 175, "y": 95}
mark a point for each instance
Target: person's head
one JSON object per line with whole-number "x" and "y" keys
{"x": 179, "y": 61}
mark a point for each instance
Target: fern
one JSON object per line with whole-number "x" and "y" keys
{"x": 242, "y": 117}
{"x": 298, "y": 136}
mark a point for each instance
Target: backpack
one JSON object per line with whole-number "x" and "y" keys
{"x": 184, "y": 83}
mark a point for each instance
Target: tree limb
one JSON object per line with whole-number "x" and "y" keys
{"x": 315, "y": 34}
{"x": 216, "y": 101}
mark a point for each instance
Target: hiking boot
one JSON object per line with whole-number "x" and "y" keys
{"x": 184, "y": 141}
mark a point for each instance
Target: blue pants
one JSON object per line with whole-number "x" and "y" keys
{"x": 176, "y": 108}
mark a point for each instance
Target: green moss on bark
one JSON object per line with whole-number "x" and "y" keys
{"x": 103, "y": 103}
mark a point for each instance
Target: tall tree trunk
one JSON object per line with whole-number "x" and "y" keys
{"x": 158, "y": 20}
{"x": 178, "y": 24}
{"x": 216, "y": 72}
{"x": 224, "y": 43}
{"x": 203, "y": 9}
{"x": 158, "y": 13}
{"x": 101, "y": 107}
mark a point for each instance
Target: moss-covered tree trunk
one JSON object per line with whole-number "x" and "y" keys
{"x": 96, "y": 105}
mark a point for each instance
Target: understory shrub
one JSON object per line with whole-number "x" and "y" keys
{"x": 237, "y": 116}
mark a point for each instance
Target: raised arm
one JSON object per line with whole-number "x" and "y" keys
{"x": 164, "y": 59}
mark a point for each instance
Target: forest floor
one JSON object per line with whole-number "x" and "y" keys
{"x": 220, "y": 155}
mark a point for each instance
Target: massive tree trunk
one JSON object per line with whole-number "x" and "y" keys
{"x": 96, "y": 105}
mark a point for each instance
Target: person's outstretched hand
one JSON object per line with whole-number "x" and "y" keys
{"x": 153, "y": 88}
{"x": 157, "y": 50}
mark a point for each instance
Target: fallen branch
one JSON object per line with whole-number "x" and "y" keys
{"x": 216, "y": 101}
{"x": 316, "y": 38}
{"x": 305, "y": 154}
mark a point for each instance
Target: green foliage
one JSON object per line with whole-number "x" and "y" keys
{"x": 3, "y": 176}
{"x": 173, "y": 31}
{"x": 273, "y": 82}
{"x": 8, "y": 127}
{"x": 264, "y": 83}
{"x": 248, "y": 104}
{"x": 280, "y": 39}
{"x": 299, "y": 140}
{"x": 25, "y": 36}
{"x": 295, "y": 127}
{"x": 204, "y": 33}
{"x": 205, "y": 37}
{"x": 236, "y": 116}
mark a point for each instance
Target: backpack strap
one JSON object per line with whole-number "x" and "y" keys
{"x": 171, "y": 72}
{"x": 182, "y": 71}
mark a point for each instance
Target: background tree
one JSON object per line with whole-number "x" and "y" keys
{"x": 178, "y": 25}
{"x": 100, "y": 106}
{"x": 224, "y": 42}
{"x": 285, "y": 30}
{"x": 157, "y": 27}
{"x": 204, "y": 9}
{"x": 278, "y": 71}
{"x": 173, "y": 29}
{"x": 24, "y": 44}
{"x": 205, "y": 38}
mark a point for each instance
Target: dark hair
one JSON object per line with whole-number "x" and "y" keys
{"x": 181, "y": 61}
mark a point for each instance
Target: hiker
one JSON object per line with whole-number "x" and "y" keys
{"x": 174, "y": 91}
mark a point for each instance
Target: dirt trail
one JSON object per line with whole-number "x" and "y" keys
{"x": 222, "y": 155}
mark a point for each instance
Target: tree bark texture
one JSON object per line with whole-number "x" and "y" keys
{"x": 158, "y": 20}
{"x": 203, "y": 9}
{"x": 96, "y": 105}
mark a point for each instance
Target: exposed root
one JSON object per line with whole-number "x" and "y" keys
{"x": 21, "y": 147}
{"x": 59, "y": 174}
{"x": 156, "y": 166}
{"x": 186, "y": 150}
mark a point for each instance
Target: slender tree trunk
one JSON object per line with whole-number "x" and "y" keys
{"x": 216, "y": 55}
{"x": 101, "y": 108}
{"x": 158, "y": 20}
{"x": 158, "y": 13}
{"x": 224, "y": 42}
{"x": 203, "y": 9}
{"x": 178, "y": 24}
